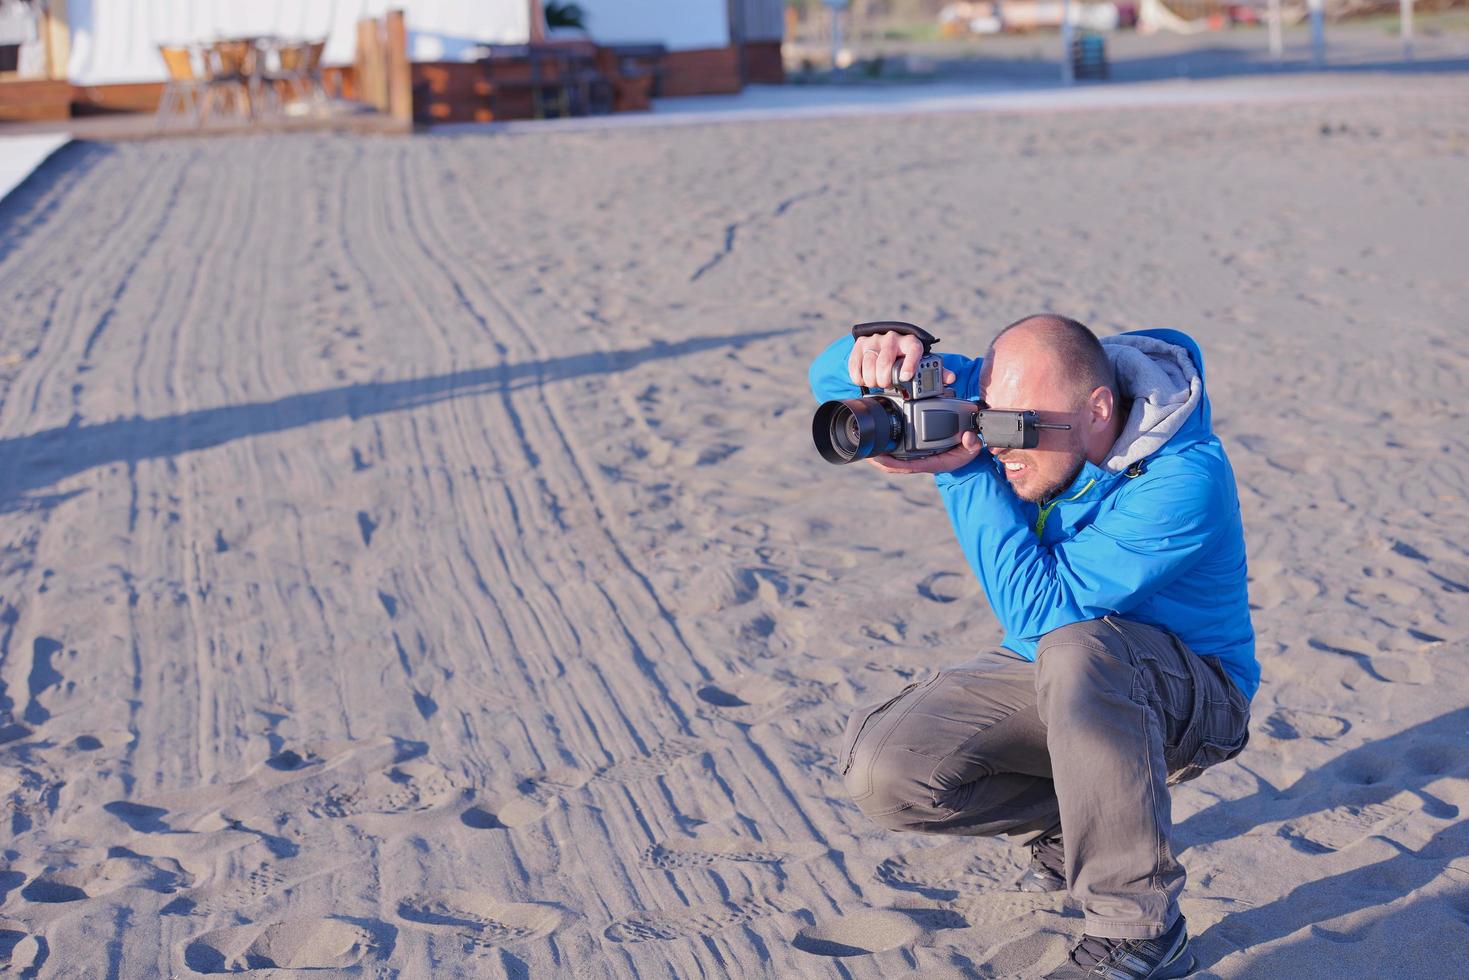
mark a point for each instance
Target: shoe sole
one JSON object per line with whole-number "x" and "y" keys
{"x": 1182, "y": 966}
{"x": 1032, "y": 880}
{"x": 1039, "y": 886}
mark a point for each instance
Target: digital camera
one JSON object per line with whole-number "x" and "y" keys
{"x": 914, "y": 419}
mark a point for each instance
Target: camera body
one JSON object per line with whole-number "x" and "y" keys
{"x": 907, "y": 420}
{"x": 916, "y": 418}
{"x": 933, "y": 419}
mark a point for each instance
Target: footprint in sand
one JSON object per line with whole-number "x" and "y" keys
{"x": 1437, "y": 758}
{"x": 892, "y": 633}
{"x": 101, "y": 740}
{"x": 1000, "y": 908}
{"x": 1376, "y": 663}
{"x": 742, "y": 692}
{"x": 944, "y": 872}
{"x": 688, "y": 923}
{"x": 26, "y": 795}
{"x": 1288, "y": 723}
{"x": 947, "y": 587}
{"x": 672, "y": 855}
{"x": 481, "y": 918}
{"x": 21, "y": 952}
{"x": 123, "y": 869}
{"x": 716, "y": 586}
{"x": 1272, "y": 584}
{"x": 1378, "y": 591}
{"x": 44, "y": 678}
{"x": 541, "y": 791}
{"x": 874, "y": 931}
{"x": 1342, "y": 826}
{"x": 766, "y": 634}
{"x": 299, "y": 944}
{"x": 655, "y": 763}
{"x": 755, "y": 698}
{"x": 139, "y": 816}
{"x": 256, "y": 887}
{"x": 519, "y": 812}
{"x": 405, "y": 788}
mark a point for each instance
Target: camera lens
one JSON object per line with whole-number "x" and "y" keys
{"x": 856, "y": 428}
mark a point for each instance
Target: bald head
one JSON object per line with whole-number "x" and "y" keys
{"x": 1055, "y": 367}
{"x": 1063, "y": 349}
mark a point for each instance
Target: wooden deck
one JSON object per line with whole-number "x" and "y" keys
{"x": 145, "y": 125}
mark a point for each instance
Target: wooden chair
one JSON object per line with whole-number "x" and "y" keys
{"x": 300, "y": 73}
{"x": 311, "y": 70}
{"x": 590, "y": 89}
{"x": 562, "y": 79}
{"x": 512, "y": 68}
{"x": 233, "y": 74}
{"x": 185, "y": 89}
{"x": 640, "y": 60}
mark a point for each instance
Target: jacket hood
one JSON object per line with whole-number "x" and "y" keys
{"x": 1160, "y": 372}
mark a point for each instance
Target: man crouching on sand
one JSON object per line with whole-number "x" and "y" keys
{"x": 1113, "y": 556}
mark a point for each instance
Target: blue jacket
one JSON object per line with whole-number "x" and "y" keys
{"x": 1163, "y": 546}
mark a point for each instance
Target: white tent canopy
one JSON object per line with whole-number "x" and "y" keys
{"x": 116, "y": 41}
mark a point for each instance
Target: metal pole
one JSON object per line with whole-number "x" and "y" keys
{"x": 1318, "y": 32}
{"x": 836, "y": 34}
{"x": 1277, "y": 47}
{"x": 1068, "y": 74}
{"x": 1405, "y": 8}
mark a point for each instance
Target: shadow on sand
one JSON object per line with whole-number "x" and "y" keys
{"x": 1370, "y": 774}
{"x": 32, "y": 462}
{"x": 1358, "y": 890}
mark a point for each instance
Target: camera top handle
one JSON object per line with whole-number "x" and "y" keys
{"x": 873, "y": 327}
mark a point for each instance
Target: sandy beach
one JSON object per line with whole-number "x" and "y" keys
{"x": 415, "y": 562}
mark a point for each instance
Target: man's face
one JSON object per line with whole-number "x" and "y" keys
{"x": 1016, "y": 378}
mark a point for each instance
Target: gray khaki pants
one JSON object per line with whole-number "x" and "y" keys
{"x": 1084, "y": 741}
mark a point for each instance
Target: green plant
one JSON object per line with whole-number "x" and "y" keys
{"x": 565, "y": 15}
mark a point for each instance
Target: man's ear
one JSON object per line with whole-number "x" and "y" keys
{"x": 1103, "y": 406}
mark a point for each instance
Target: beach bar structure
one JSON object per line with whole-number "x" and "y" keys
{"x": 81, "y": 56}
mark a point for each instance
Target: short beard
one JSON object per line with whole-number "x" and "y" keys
{"x": 1047, "y": 493}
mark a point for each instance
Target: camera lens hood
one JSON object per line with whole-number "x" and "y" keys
{"x": 855, "y": 428}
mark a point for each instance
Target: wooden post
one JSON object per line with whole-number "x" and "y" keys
{"x": 362, "y": 60}
{"x": 56, "y": 33}
{"x": 380, "y": 65}
{"x": 399, "y": 74}
{"x": 1068, "y": 36}
{"x": 372, "y": 79}
{"x": 537, "y": 22}
{"x": 1277, "y": 45}
{"x": 1318, "y": 31}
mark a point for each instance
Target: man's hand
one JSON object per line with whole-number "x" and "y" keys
{"x": 969, "y": 447}
{"x": 872, "y": 359}
{"x": 871, "y": 365}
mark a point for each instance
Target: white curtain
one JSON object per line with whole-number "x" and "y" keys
{"x": 117, "y": 40}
